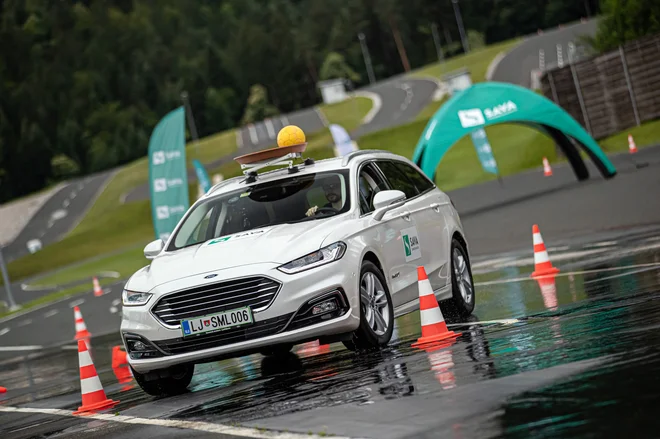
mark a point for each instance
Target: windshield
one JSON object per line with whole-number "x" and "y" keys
{"x": 300, "y": 198}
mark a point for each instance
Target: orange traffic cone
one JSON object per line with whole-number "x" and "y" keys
{"x": 631, "y": 144}
{"x": 434, "y": 328}
{"x": 93, "y": 395}
{"x": 3, "y": 389}
{"x": 542, "y": 264}
{"x": 81, "y": 328}
{"x": 120, "y": 367}
{"x": 547, "y": 170}
{"x": 97, "y": 288}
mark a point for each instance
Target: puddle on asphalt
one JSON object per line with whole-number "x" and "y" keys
{"x": 607, "y": 310}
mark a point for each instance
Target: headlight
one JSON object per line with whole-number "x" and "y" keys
{"x": 133, "y": 298}
{"x": 323, "y": 256}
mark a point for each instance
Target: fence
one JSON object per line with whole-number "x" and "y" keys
{"x": 611, "y": 92}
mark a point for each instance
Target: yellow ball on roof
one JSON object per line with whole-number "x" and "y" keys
{"x": 290, "y": 135}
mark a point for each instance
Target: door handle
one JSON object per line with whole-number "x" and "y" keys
{"x": 436, "y": 207}
{"x": 405, "y": 215}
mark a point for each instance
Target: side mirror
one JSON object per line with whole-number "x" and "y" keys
{"x": 154, "y": 248}
{"x": 384, "y": 201}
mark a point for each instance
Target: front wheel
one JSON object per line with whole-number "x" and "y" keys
{"x": 462, "y": 285}
{"x": 174, "y": 381}
{"x": 376, "y": 311}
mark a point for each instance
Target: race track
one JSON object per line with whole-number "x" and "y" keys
{"x": 516, "y": 66}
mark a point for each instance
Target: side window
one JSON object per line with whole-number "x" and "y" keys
{"x": 398, "y": 180}
{"x": 369, "y": 184}
{"x": 420, "y": 181}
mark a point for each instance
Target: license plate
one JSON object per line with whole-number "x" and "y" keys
{"x": 217, "y": 322}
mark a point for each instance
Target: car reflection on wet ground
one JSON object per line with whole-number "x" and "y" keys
{"x": 574, "y": 355}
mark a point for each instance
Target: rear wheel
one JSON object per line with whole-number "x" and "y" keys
{"x": 172, "y": 381}
{"x": 462, "y": 302}
{"x": 376, "y": 311}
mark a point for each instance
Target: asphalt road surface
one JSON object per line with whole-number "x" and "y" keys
{"x": 497, "y": 219}
{"x": 59, "y": 215}
{"x": 264, "y": 134}
{"x": 517, "y": 65}
{"x": 573, "y": 357}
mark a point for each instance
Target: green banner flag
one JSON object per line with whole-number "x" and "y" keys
{"x": 168, "y": 177}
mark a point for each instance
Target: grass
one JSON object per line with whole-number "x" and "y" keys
{"x": 349, "y": 113}
{"x": 646, "y": 134}
{"x": 477, "y": 62}
{"x": 125, "y": 263}
{"x": 460, "y": 166}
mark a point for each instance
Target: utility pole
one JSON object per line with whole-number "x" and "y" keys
{"x": 437, "y": 42}
{"x": 367, "y": 58}
{"x": 189, "y": 116}
{"x": 5, "y": 276}
{"x": 461, "y": 30}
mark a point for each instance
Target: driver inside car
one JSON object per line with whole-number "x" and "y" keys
{"x": 332, "y": 191}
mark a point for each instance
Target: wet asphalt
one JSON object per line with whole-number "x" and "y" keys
{"x": 578, "y": 356}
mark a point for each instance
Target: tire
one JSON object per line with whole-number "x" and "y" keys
{"x": 462, "y": 285}
{"x": 375, "y": 301}
{"x": 277, "y": 350}
{"x": 174, "y": 383}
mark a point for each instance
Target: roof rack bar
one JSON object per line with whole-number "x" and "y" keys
{"x": 279, "y": 161}
{"x": 350, "y": 156}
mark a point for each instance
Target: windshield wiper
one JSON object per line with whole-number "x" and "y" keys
{"x": 317, "y": 216}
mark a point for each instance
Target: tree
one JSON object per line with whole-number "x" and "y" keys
{"x": 258, "y": 108}
{"x": 335, "y": 67}
{"x": 626, "y": 20}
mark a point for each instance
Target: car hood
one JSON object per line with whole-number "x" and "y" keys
{"x": 277, "y": 245}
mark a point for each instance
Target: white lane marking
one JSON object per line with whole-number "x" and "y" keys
{"x": 50, "y": 313}
{"x": 270, "y": 129}
{"x": 570, "y": 273}
{"x": 20, "y": 348}
{"x": 493, "y": 65}
{"x": 113, "y": 310}
{"x": 486, "y": 322}
{"x": 65, "y": 203}
{"x": 376, "y": 104}
{"x": 73, "y": 195}
{"x": 80, "y": 186}
{"x": 284, "y": 120}
{"x": 324, "y": 120}
{"x": 253, "y": 134}
{"x": 76, "y": 303}
{"x": 41, "y": 235}
{"x": 239, "y": 139}
{"x": 207, "y": 427}
{"x": 3, "y": 331}
{"x": 50, "y": 224}
{"x": 116, "y": 302}
{"x": 24, "y": 322}
{"x": 58, "y": 214}
{"x": 114, "y": 274}
{"x": 602, "y": 244}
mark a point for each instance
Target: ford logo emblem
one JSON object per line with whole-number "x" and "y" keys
{"x": 210, "y": 276}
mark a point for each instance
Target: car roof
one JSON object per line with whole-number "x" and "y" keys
{"x": 331, "y": 164}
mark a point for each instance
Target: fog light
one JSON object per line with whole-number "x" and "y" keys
{"x": 325, "y": 306}
{"x": 137, "y": 346}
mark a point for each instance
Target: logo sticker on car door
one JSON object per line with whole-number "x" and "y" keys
{"x": 411, "y": 247}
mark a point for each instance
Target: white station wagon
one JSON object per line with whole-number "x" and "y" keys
{"x": 324, "y": 250}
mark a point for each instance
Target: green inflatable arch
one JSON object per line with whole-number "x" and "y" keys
{"x": 490, "y": 103}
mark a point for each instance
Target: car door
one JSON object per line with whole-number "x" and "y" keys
{"x": 386, "y": 234}
{"x": 411, "y": 241}
{"x": 431, "y": 225}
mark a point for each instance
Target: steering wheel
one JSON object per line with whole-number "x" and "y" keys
{"x": 326, "y": 209}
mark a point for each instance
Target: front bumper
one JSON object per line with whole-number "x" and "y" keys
{"x": 280, "y": 323}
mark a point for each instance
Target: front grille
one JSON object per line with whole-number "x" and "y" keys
{"x": 260, "y": 329}
{"x": 255, "y": 292}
